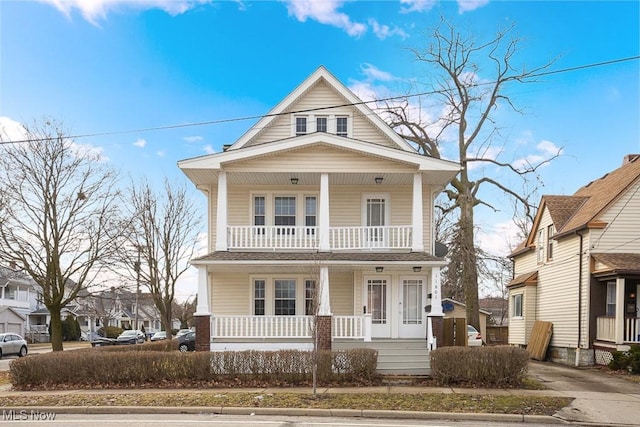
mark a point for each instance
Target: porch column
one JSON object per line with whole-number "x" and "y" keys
{"x": 221, "y": 213}
{"x": 202, "y": 315}
{"x": 435, "y": 314}
{"x": 324, "y": 306}
{"x": 323, "y": 220}
{"x": 619, "y": 311}
{"x": 417, "y": 244}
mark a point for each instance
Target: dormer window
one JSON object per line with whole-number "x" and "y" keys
{"x": 301, "y": 126}
{"x": 341, "y": 126}
{"x": 321, "y": 124}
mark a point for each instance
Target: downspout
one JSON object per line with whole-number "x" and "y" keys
{"x": 577, "y": 361}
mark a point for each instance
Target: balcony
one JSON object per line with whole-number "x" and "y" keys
{"x": 307, "y": 238}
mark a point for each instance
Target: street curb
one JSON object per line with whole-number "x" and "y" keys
{"x": 293, "y": 412}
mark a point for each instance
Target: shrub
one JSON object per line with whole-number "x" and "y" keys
{"x": 627, "y": 360}
{"x": 151, "y": 364}
{"x": 110, "y": 332}
{"x": 496, "y": 366}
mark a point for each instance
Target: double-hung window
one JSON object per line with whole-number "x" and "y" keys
{"x": 285, "y": 214}
{"x": 259, "y": 214}
{"x": 310, "y": 300}
{"x": 285, "y": 297}
{"x": 321, "y": 124}
{"x": 259, "y": 294}
{"x": 341, "y": 126}
{"x": 517, "y": 305}
{"x": 310, "y": 213}
{"x": 301, "y": 126}
{"x": 549, "y": 243}
{"x": 611, "y": 299}
{"x": 540, "y": 246}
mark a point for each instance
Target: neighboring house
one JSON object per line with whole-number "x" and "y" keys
{"x": 458, "y": 310}
{"x": 499, "y": 309}
{"x": 579, "y": 269}
{"x": 17, "y": 299}
{"x": 319, "y": 206}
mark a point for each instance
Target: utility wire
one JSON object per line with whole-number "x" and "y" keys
{"x": 308, "y": 110}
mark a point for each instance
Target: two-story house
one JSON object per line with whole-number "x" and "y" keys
{"x": 319, "y": 216}
{"x": 579, "y": 269}
{"x": 17, "y": 300}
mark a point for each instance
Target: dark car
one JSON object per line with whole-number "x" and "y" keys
{"x": 12, "y": 344}
{"x": 131, "y": 337}
{"x": 187, "y": 342}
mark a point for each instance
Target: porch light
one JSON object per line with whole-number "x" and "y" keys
{"x": 379, "y": 269}
{"x": 294, "y": 181}
{"x": 417, "y": 269}
{"x": 379, "y": 180}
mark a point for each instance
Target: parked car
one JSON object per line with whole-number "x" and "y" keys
{"x": 102, "y": 341}
{"x": 12, "y": 344}
{"x": 474, "y": 337}
{"x": 182, "y": 332}
{"x": 187, "y": 342}
{"x": 158, "y": 336}
{"x": 131, "y": 337}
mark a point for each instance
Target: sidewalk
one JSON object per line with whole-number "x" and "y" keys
{"x": 599, "y": 399}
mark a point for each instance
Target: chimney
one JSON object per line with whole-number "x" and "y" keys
{"x": 630, "y": 158}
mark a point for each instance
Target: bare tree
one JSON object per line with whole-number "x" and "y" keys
{"x": 164, "y": 233}
{"x": 184, "y": 311}
{"x": 467, "y": 105}
{"x": 58, "y": 215}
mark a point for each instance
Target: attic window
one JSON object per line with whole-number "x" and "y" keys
{"x": 301, "y": 126}
{"x": 341, "y": 126}
{"x": 321, "y": 124}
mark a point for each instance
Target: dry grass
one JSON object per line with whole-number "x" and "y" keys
{"x": 426, "y": 402}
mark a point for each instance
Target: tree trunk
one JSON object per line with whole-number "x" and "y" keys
{"x": 56, "y": 329}
{"x": 469, "y": 261}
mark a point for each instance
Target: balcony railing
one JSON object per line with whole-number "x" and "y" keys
{"x": 606, "y": 329}
{"x": 258, "y": 327}
{"x": 340, "y": 238}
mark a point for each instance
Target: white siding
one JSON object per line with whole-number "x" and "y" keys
{"x": 621, "y": 233}
{"x": 341, "y": 294}
{"x": 230, "y": 294}
{"x": 213, "y": 216}
{"x": 321, "y": 95}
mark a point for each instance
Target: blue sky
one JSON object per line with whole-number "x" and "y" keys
{"x": 105, "y": 66}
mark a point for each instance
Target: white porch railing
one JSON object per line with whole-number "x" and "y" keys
{"x": 606, "y": 328}
{"x": 272, "y": 237}
{"x": 254, "y": 327}
{"x": 632, "y": 330}
{"x": 261, "y": 326}
{"x": 281, "y": 237}
{"x": 389, "y": 237}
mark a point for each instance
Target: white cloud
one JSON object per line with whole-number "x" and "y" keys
{"x": 191, "y": 139}
{"x": 546, "y": 150}
{"x": 325, "y": 12}
{"x": 498, "y": 238}
{"x": 374, "y": 73}
{"x": 383, "y": 31}
{"x": 208, "y": 149}
{"x": 140, "y": 143}
{"x": 89, "y": 150}
{"x": 10, "y": 130}
{"x": 94, "y": 10}
{"x": 469, "y": 5}
{"x": 549, "y": 147}
{"x": 417, "y": 5}
{"x": 161, "y": 153}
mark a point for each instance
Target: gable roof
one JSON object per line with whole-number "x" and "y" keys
{"x": 582, "y": 210}
{"x": 321, "y": 74}
{"x": 618, "y": 263}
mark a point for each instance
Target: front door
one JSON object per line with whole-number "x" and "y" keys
{"x": 375, "y": 220}
{"x": 377, "y": 300}
{"x": 411, "y": 299}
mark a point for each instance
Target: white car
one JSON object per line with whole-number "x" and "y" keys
{"x": 159, "y": 336}
{"x": 474, "y": 338}
{"x": 12, "y": 344}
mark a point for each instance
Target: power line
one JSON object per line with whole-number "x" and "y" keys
{"x": 308, "y": 110}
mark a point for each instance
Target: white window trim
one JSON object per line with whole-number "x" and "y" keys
{"x": 540, "y": 246}
{"x": 269, "y": 205}
{"x": 387, "y": 207}
{"x": 270, "y": 292}
{"x": 513, "y": 313}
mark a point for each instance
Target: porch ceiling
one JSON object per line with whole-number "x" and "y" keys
{"x": 266, "y": 262}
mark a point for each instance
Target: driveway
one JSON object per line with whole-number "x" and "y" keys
{"x": 600, "y": 398}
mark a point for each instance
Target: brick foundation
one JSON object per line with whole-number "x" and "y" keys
{"x": 437, "y": 325}
{"x": 203, "y": 333}
{"x": 323, "y": 323}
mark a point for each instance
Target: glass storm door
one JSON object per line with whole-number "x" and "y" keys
{"x": 377, "y": 304}
{"x": 375, "y": 221}
{"x": 411, "y": 299}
